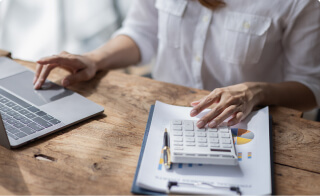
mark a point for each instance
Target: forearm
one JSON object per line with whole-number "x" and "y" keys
{"x": 289, "y": 94}
{"x": 119, "y": 52}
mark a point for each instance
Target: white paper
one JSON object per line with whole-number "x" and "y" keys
{"x": 252, "y": 175}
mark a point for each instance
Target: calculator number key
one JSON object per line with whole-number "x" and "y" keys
{"x": 177, "y": 133}
{"x": 202, "y": 134}
{"x": 188, "y": 126}
{"x": 225, "y": 135}
{"x": 223, "y": 130}
{"x": 226, "y": 141}
{"x": 213, "y": 135}
{"x": 202, "y": 140}
{"x": 189, "y": 134}
{"x": 177, "y": 127}
{"x": 177, "y": 122}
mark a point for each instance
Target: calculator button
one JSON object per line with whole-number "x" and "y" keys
{"x": 189, "y": 134}
{"x": 177, "y": 127}
{"x": 223, "y": 130}
{"x": 188, "y": 126}
{"x": 226, "y": 141}
{"x": 213, "y": 130}
{"x": 215, "y": 145}
{"x": 214, "y": 135}
{"x": 178, "y": 139}
{"x": 227, "y": 146}
{"x": 177, "y": 133}
{"x": 201, "y": 134}
{"x": 190, "y": 143}
{"x": 202, "y": 140}
{"x": 214, "y": 140}
{"x": 225, "y": 135}
{"x": 189, "y": 139}
{"x": 177, "y": 122}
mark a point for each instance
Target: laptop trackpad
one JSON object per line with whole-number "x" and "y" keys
{"x": 21, "y": 85}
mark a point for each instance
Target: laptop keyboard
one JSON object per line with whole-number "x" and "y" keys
{"x": 21, "y": 119}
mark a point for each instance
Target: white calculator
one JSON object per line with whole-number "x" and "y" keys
{"x": 189, "y": 144}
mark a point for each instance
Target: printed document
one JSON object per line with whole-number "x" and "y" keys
{"x": 252, "y": 174}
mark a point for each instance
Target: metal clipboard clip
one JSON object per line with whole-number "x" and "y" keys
{"x": 201, "y": 185}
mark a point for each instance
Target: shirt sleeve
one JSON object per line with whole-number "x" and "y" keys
{"x": 301, "y": 42}
{"x": 141, "y": 25}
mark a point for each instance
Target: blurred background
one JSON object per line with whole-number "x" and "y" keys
{"x": 32, "y": 29}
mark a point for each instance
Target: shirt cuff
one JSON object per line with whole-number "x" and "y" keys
{"x": 146, "y": 49}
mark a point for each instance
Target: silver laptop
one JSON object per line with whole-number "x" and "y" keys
{"x": 28, "y": 114}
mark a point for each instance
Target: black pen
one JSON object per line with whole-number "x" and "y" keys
{"x": 166, "y": 150}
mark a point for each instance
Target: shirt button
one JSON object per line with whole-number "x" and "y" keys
{"x": 205, "y": 19}
{"x": 198, "y": 58}
{"x": 246, "y": 25}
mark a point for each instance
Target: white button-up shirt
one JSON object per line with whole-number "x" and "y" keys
{"x": 247, "y": 40}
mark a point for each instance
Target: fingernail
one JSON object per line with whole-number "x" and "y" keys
{"x": 65, "y": 82}
{"x": 193, "y": 112}
{"x": 200, "y": 123}
{"x": 37, "y": 85}
{"x": 212, "y": 124}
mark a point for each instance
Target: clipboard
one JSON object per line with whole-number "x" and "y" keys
{"x": 138, "y": 190}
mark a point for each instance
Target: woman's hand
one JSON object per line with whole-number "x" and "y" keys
{"x": 81, "y": 67}
{"x": 234, "y": 101}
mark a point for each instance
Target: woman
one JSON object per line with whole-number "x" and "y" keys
{"x": 248, "y": 52}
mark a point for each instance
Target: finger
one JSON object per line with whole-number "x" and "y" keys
{"x": 62, "y": 60}
{"x": 226, "y": 113}
{"x": 238, "y": 117}
{"x": 46, "y": 69}
{"x": 45, "y": 60}
{"x": 37, "y": 73}
{"x": 209, "y": 116}
{"x": 194, "y": 103}
{"x": 82, "y": 75}
{"x": 204, "y": 103}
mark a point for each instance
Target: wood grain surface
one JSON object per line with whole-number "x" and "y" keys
{"x": 99, "y": 156}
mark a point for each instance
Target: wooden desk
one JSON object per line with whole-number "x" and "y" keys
{"x": 99, "y": 156}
